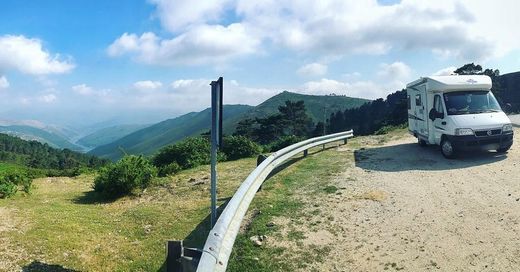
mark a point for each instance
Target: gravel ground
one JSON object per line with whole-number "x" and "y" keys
{"x": 407, "y": 208}
{"x": 515, "y": 119}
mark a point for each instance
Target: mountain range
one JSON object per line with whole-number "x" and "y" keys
{"x": 150, "y": 139}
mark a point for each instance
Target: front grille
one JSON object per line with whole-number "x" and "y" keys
{"x": 484, "y": 133}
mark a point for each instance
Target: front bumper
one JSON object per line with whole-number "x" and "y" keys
{"x": 472, "y": 142}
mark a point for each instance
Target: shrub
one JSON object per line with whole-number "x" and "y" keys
{"x": 11, "y": 182}
{"x": 188, "y": 153}
{"x": 237, "y": 147}
{"x": 169, "y": 169}
{"x": 125, "y": 176}
{"x": 7, "y": 189}
{"x": 284, "y": 141}
{"x": 388, "y": 129}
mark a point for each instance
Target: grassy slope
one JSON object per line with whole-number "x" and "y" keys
{"x": 149, "y": 140}
{"x": 32, "y": 133}
{"x": 107, "y": 135}
{"x": 62, "y": 223}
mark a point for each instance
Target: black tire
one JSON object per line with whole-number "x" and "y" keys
{"x": 503, "y": 150}
{"x": 447, "y": 149}
{"x": 421, "y": 142}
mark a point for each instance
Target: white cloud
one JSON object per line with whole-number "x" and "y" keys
{"x": 204, "y": 44}
{"x": 48, "y": 98}
{"x": 390, "y": 78}
{"x": 215, "y": 31}
{"x": 179, "y": 14}
{"x": 3, "y": 82}
{"x": 147, "y": 85}
{"x": 445, "y": 71}
{"x": 394, "y": 71}
{"x": 28, "y": 56}
{"x": 363, "y": 89}
{"x": 83, "y": 89}
{"x": 312, "y": 70}
{"x": 195, "y": 93}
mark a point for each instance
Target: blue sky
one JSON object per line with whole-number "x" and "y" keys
{"x": 80, "y": 62}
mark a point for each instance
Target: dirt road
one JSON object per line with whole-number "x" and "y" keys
{"x": 407, "y": 208}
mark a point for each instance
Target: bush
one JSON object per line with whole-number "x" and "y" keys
{"x": 7, "y": 189}
{"x": 237, "y": 147}
{"x": 10, "y": 183}
{"x": 188, "y": 153}
{"x": 284, "y": 141}
{"x": 125, "y": 176}
{"x": 169, "y": 169}
{"x": 388, "y": 129}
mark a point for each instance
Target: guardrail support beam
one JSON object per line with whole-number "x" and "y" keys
{"x": 345, "y": 141}
{"x": 305, "y": 152}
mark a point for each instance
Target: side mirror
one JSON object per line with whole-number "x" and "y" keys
{"x": 508, "y": 107}
{"x": 433, "y": 114}
{"x": 439, "y": 115}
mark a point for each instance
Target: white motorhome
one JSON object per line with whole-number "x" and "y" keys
{"x": 457, "y": 112}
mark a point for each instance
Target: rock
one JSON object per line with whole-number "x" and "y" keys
{"x": 258, "y": 239}
{"x": 256, "y": 259}
{"x": 270, "y": 225}
{"x": 147, "y": 229}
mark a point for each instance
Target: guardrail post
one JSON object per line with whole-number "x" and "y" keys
{"x": 180, "y": 258}
{"x": 345, "y": 141}
{"x": 323, "y": 147}
{"x": 305, "y": 152}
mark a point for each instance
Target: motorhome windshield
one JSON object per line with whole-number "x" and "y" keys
{"x": 470, "y": 102}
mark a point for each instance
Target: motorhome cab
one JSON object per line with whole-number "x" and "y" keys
{"x": 457, "y": 113}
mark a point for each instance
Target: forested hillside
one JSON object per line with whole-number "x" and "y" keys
{"x": 37, "y": 155}
{"x": 107, "y": 135}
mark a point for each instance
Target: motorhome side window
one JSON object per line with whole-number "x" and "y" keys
{"x": 418, "y": 100}
{"x": 437, "y": 104}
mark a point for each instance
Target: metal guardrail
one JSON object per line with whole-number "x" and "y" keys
{"x": 219, "y": 244}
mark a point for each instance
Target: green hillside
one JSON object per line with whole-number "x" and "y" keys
{"x": 148, "y": 140}
{"x": 107, "y": 135}
{"x": 30, "y": 133}
{"x": 318, "y": 107}
{"x": 16, "y": 152}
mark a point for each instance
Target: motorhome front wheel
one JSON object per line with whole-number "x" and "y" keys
{"x": 447, "y": 149}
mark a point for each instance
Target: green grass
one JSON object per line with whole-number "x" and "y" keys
{"x": 280, "y": 197}
{"x": 65, "y": 223}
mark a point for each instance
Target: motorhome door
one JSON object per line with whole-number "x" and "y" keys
{"x": 421, "y": 115}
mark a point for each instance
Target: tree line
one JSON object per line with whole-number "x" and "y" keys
{"x": 38, "y": 155}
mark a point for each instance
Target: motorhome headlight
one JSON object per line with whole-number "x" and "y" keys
{"x": 507, "y": 128}
{"x": 463, "y": 131}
